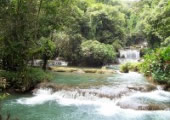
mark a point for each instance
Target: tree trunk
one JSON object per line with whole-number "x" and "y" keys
{"x": 45, "y": 61}
{"x": 32, "y": 62}
{"x": 37, "y": 20}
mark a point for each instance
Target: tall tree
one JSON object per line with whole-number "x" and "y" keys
{"x": 17, "y": 20}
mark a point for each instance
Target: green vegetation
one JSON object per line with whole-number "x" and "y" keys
{"x": 25, "y": 35}
{"x": 82, "y": 32}
{"x": 96, "y": 53}
{"x": 91, "y": 21}
{"x": 25, "y": 80}
{"x": 86, "y": 33}
{"x": 150, "y": 22}
{"x": 47, "y": 50}
{"x": 157, "y": 65}
{"x": 130, "y": 67}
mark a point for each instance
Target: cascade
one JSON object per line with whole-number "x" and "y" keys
{"x": 129, "y": 55}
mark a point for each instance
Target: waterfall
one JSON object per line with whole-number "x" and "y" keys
{"x": 129, "y": 55}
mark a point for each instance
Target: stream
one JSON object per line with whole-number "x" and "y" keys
{"x": 73, "y": 96}
{"x": 122, "y": 96}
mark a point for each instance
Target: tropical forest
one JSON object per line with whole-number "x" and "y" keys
{"x": 84, "y": 59}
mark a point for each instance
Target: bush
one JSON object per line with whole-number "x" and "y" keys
{"x": 25, "y": 80}
{"x": 96, "y": 53}
{"x": 117, "y": 45}
{"x": 165, "y": 54}
{"x": 129, "y": 67}
{"x": 144, "y": 51}
{"x": 124, "y": 68}
{"x": 157, "y": 65}
{"x": 166, "y": 42}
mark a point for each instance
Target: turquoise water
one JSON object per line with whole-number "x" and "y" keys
{"x": 90, "y": 97}
{"x": 79, "y": 79}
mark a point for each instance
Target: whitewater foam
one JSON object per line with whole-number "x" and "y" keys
{"x": 104, "y": 106}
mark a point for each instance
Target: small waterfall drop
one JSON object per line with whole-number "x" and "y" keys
{"x": 125, "y": 96}
{"x": 129, "y": 55}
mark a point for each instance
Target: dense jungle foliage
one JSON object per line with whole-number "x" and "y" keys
{"x": 82, "y": 32}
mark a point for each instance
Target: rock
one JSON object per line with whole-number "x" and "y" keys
{"x": 23, "y": 89}
{"x": 52, "y": 86}
{"x": 137, "y": 106}
{"x": 63, "y": 69}
{"x": 105, "y": 71}
{"x": 166, "y": 87}
{"x": 123, "y": 56}
{"x": 154, "y": 107}
{"x": 144, "y": 88}
{"x": 133, "y": 88}
{"x": 79, "y": 71}
{"x": 90, "y": 70}
{"x": 104, "y": 68}
{"x": 47, "y": 85}
{"x": 150, "y": 87}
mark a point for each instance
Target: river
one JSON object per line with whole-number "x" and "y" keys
{"x": 92, "y": 97}
{"x": 75, "y": 96}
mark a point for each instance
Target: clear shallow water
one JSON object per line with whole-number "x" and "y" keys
{"x": 96, "y": 98}
{"x": 76, "y": 79}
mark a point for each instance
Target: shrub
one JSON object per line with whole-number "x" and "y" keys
{"x": 166, "y": 42}
{"x": 124, "y": 68}
{"x": 25, "y": 80}
{"x": 165, "y": 54}
{"x": 129, "y": 67}
{"x": 117, "y": 45}
{"x": 144, "y": 51}
{"x": 157, "y": 65}
{"x": 134, "y": 66}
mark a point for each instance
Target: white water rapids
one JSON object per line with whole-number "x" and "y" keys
{"x": 126, "y": 96}
{"x": 103, "y": 104}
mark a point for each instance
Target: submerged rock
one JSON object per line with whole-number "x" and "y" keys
{"x": 52, "y": 86}
{"x": 79, "y": 71}
{"x": 154, "y": 100}
{"x": 143, "y": 88}
{"x": 137, "y": 106}
{"x": 166, "y": 87}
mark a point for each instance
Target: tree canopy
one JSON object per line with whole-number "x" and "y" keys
{"x": 69, "y": 24}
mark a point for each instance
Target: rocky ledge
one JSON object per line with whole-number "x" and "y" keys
{"x": 82, "y": 70}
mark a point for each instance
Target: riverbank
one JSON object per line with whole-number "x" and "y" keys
{"x": 102, "y": 70}
{"x": 23, "y": 81}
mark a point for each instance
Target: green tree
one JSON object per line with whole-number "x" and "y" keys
{"x": 106, "y": 23}
{"x": 17, "y": 21}
{"x": 47, "y": 50}
{"x": 96, "y": 53}
{"x": 159, "y": 24}
{"x": 149, "y": 21}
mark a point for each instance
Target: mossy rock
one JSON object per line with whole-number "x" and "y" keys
{"x": 90, "y": 70}
{"x": 81, "y": 70}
